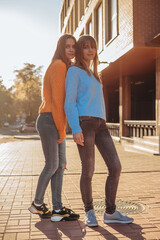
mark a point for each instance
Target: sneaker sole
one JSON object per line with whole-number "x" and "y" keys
{"x": 61, "y": 219}
{"x": 34, "y": 211}
{"x": 116, "y": 221}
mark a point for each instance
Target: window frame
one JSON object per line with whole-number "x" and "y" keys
{"x": 88, "y": 26}
{"x": 108, "y": 27}
{"x": 97, "y": 27}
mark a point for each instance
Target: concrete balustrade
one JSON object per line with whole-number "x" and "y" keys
{"x": 136, "y": 128}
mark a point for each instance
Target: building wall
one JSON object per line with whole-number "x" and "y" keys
{"x": 146, "y": 20}
{"x": 128, "y": 50}
{"x": 138, "y": 22}
{"x": 123, "y": 42}
{"x": 78, "y": 13}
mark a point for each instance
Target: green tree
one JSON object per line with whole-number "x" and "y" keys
{"x": 6, "y": 106}
{"x": 27, "y": 90}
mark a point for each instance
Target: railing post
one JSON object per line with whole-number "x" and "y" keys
{"x": 141, "y": 128}
{"x": 149, "y": 131}
{"x": 154, "y": 131}
{"x": 158, "y": 154}
{"x": 141, "y": 131}
{"x": 145, "y": 130}
{"x": 134, "y": 131}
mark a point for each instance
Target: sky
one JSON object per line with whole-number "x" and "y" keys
{"x": 29, "y": 30}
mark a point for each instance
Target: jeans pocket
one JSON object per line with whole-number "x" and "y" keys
{"x": 89, "y": 124}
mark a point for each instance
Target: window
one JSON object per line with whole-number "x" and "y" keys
{"x": 99, "y": 27}
{"x": 76, "y": 14}
{"x": 89, "y": 27}
{"x": 62, "y": 17}
{"x": 111, "y": 19}
{"x": 67, "y": 28}
{"x": 62, "y": 20}
{"x": 67, "y": 4}
{"x": 69, "y": 25}
{"x": 72, "y": 21}
{"x": 81, "y": 9}
{"x": 86, "y": 3}
{"x": 65, "y": 9}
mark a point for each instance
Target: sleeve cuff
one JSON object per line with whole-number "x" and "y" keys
{"x": 62, "y": 134}
{"x": 77, "y": 129}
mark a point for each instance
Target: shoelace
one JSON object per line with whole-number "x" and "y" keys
{"x": 68, "y": 210}
{"x": 44, "y": 208}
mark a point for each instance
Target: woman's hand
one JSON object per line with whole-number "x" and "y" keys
{"x": 78, "y": 138}
{"x": 60, "y": 140}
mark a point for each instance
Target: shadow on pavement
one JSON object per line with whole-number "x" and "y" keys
{"x": 131, "y": 231}
{"x": 78, "y": 230}
{"x": 105, "y": 233}
{"x": 60, "y": 230}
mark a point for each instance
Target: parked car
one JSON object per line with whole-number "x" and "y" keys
{"x": 28, "y": 128}
{"x": 6, "y": 124}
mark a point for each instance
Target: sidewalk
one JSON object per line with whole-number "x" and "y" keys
{"x": 138, "y": 194}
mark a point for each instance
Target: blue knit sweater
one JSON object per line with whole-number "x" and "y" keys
{"x": 84, "y": 97}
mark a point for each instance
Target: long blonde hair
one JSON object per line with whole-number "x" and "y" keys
{"x": 79, "y": 54}
{"x": 60, "y": 50}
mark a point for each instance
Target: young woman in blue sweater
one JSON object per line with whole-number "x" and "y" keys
{"x": 85, "y": 110}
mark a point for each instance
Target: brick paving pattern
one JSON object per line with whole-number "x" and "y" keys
{"x": 20, "y": 164}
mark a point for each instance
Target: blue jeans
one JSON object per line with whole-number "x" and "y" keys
{"x": 96, "y": 133}
{"x": 55, "y": 160}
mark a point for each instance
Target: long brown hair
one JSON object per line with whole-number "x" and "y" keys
{"x": 79, "y": 54}
{"x": 60, "y": 50}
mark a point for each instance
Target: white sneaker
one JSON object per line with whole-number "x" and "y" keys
{"x": 117, "y": 217}
{"x": 90, "y": 219}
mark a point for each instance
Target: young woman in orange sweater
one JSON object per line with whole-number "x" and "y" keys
{"x": 51, "y": 125}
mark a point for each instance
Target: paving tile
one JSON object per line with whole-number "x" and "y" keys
{"x": 10, "y": 236}
{"x": 23, "y": 236}
{"x": 13, "y": 222}
{"x": 37, "y": 237}
{"x": 17, "y": 229}
{"x": 2, "y": 228}
{"x": 21, "y": 163}
{"x": 15, "y": 211}
{"x": 24, "y": 222}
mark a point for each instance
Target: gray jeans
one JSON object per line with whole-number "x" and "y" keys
{"x": 55, "y": 160}
{"x": 96, "y": 133}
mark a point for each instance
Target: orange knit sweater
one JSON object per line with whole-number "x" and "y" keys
{"x": 54, "y": 95}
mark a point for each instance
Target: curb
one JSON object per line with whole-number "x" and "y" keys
{"x": 29, "y": 137}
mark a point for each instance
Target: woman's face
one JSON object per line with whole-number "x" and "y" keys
{"x": 70, "y": 48}
{"x": 88, "y": 52}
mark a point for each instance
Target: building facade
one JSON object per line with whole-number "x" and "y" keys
{"x": 128, "y": 40}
